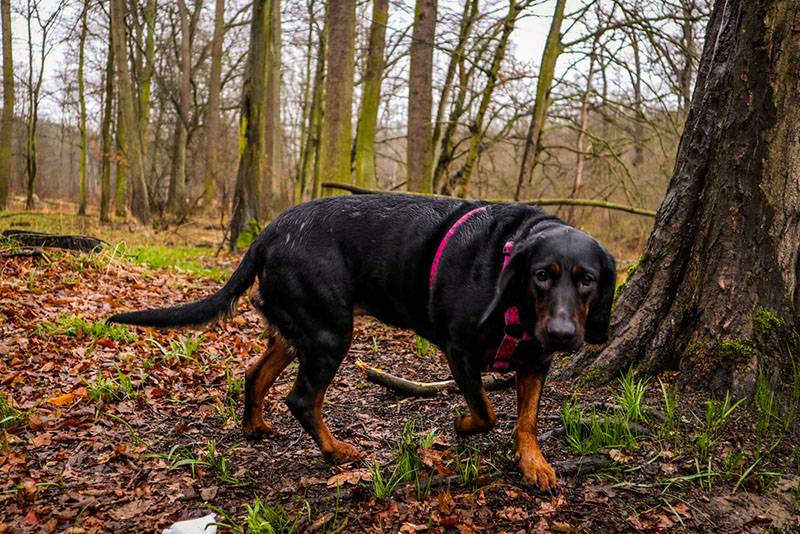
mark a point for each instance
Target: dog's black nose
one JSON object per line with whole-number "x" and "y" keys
{"x": 561, "y": 330}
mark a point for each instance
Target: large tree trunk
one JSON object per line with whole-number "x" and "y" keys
{"x": 248, "y": 197}
{"x": 213, "y": 115}
{"x": 145, "y": 76}
{"x": 371, "y": 99}
{"x": 419, "y": 148}
{"x": 108, "y": 110}
{"x": 313, "y": 151}
{"x": 336, "y": 139}
{"x": 82, "y": 105}
{"x": 7, "y": 121}
{"x": 121, "y": 179}
{"x": 306, "y": 129}
{"x": 272, "y": 122}
{"x": 533, "y": 141}
{"x": 177, "y": 200}
{"x": 140, "y": 204}
{"x": 722, "y": 263}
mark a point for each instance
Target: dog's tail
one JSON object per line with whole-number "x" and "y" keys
{"x": 202, "y": 311}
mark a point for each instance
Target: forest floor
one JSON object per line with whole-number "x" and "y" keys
{"x": 129, "y": 430}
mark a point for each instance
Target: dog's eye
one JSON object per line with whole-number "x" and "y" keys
{"x": 587, "y": 279}
{"x": 541, "y": 276}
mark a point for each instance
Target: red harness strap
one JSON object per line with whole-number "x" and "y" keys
{"x": 513, "y": 332}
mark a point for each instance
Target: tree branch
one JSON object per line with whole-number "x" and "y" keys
{"x": 412, "y": 388}
{"x": 537, "y": 202}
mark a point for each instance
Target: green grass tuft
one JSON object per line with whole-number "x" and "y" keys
{"x": 75, "y": 326}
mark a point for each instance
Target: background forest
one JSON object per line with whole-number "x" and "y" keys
{"x": 481, "y": 98}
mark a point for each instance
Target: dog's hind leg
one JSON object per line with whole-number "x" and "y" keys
{"x": 259, "y": 377}
{"x": 481, "y": 417}
{"x": 318, "y": 364}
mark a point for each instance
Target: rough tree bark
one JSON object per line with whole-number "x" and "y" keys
{"x": 336, "y": 139}
{"x": 82, "y": 104}
{"x": 7, "y": 121}
{"x": 419, "y": 148}
{"x": 248, "y": 197}
{"x": 720, "y": 273}
{"x": 371, "y": 99}
{"x": 140, "y": 204}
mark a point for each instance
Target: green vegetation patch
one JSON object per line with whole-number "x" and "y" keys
{"x": 10, "y": 416}
{"x": 188, "y": 259}
{"x": 76, "y": 326}
{"x": 765, "y": 321}
{"x": 737, "y": 350}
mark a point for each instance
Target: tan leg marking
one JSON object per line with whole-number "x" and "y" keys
{"x": 259, "y": 377}
{"x": 476, "y": 422}
{"x": 535, "y": 469}
{"x": 335, "y": 451}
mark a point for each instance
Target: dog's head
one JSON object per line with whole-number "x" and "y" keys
{"x": 568, "y": 279}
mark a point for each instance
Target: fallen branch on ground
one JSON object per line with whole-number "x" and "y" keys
{"x": 586, "y": 202}
{"x": 412, "y": 388}
{"x": 585, "y": 465}
{"x": 69, "y": 242}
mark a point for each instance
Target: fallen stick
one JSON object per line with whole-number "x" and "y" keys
{"x": 412, "y": 388}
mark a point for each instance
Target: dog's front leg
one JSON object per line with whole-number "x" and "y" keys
{"x": 481, "y": 417}
{"x": 535, "y": 469}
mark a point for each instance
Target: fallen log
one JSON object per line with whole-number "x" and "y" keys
{"x": 413, "y": 388}
{"x": 40, "y": 239}
{"x": 33, "y": 253}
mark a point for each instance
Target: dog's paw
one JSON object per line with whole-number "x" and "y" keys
{"x": 258, "y": 431}
{"x": 343, "y": 453}
{"x": 467, "y": 425}
{"x": 538, "y": 473}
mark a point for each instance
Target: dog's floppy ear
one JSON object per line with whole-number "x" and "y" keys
{"x": 600, "y": 311}
{"x": 511, "y": 282}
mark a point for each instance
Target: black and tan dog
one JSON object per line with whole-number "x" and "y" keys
{"x": 451, "y": 270}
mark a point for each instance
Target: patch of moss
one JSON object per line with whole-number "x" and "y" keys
{"x": 631, "y": 270}
{"x": 765, "y": 321}
{"x": 736, "y": 350}
{"x": 564, "y": 361}
{"x": 593, "y": 375}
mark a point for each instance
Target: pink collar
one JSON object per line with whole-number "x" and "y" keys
{"x": 443, "y": 245}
